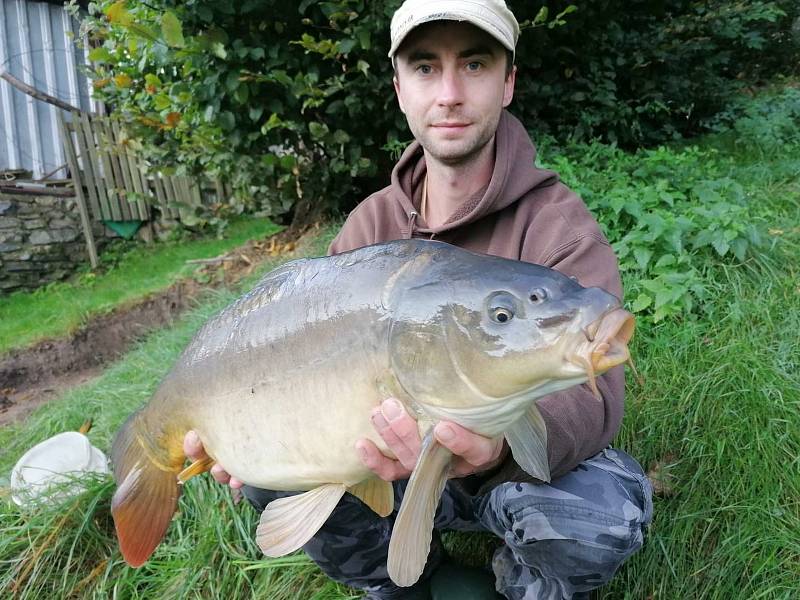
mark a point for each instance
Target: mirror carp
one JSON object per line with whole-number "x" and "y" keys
{"x": 280, "y": 385}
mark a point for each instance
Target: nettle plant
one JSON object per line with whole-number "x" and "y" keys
{"x": 668, "y": 214}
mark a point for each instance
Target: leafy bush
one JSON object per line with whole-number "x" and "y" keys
{"x": 639, "y": 72}
{"x": 763, "y": 124}
{"x": 292, "y": 103}
{"x": 673, "y": 214}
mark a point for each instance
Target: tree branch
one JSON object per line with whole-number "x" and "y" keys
{"x": 32, "y": 91}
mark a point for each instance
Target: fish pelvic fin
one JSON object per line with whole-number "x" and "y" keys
{"x": 527, "y": 438}
{"x": 413, "y": 528}
{"x": 288, "y": 523}
{"x": 375, "y": 493}
{"x": 146, "y": 496}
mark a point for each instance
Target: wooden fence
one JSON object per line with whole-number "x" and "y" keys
{"x": 110, "y": 181}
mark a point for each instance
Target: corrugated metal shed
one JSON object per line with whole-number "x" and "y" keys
{"x": 37, "y": 45}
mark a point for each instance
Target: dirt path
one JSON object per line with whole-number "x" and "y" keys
{"x": 41, "y": 373}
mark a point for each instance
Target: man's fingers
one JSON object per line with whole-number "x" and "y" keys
{"x": 399, "y": 431}
{"x": 477, "y": 450}
{"x": 220, "y": 474}
{"x": 383, "y": 466}
{"x": 193, "y": 447}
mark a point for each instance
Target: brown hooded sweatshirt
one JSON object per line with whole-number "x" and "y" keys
{"x": 527, "y": 214}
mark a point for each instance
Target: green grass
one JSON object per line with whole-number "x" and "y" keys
{"x": 128, "y": 272}
{"x": 718, "y": 406}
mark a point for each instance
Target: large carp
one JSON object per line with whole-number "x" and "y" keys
{"x": 280, "y": 385}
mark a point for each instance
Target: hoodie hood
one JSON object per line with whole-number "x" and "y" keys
{"x": 514, "y": 176}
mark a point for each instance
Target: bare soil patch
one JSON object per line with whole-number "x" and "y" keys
{"x": 35, "y": 375}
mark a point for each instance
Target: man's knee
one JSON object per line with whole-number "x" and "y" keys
{"x": 574, "y": 534}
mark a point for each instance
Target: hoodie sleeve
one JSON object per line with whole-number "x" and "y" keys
{"x": 578, "y": 424}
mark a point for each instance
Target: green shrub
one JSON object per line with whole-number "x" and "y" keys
{"x": 674, "y": 214}
{"x": 640, "y": 72}
{"x": 292, "y": 102}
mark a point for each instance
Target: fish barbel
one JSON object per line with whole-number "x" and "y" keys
{"x": 281, "y": 384}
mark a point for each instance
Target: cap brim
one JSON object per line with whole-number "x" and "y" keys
{"x": 452, "y": 15}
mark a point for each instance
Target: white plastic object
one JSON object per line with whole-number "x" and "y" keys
{"x": 61, "y": 460}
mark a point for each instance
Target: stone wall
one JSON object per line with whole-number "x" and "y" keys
{"x": 41, "y": 240}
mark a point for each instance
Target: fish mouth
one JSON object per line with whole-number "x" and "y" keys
{"x": 606, "y": 345}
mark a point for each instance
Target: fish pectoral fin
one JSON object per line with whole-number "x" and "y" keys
{"x": 288, "y": 523}
{"x": 413, "y": 528}
{"x": 527, "y": 438}
{"x": 375, "y": 493}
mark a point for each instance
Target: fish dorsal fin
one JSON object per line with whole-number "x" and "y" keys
{"x": 288, "y": 523}
{"x": 413, "y": 528}
{"x": 527, "y": 438}
{"x": 375, "y": 493}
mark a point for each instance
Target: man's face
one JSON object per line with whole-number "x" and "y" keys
{"x": 451, "y": 84}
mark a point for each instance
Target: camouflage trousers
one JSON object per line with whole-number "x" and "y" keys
{"x": 562, "y": 539}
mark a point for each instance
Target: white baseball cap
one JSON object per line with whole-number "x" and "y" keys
{"x": 493, "y": 16}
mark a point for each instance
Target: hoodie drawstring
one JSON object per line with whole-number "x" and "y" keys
{"x": 412, "y": 221}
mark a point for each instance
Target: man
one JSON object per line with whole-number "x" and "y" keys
{"x": 469, "y": 179}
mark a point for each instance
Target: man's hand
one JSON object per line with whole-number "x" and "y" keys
{"x": 473, "y": 452}
{"x": 193, "y": 449}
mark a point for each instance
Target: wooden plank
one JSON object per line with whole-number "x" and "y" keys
{"x": 72, "y": 160}
{"x": 143, "y": 204}
{"x": 147, "y": 195}
{"x": 115, "y": 203}
{"x": 173, "y": 191}
{"x": 134, "y": 181}
{"x": 122, "y": 157}
{"x": 197, "y": 193}
{"x": 140, "y": 183}
{"x": 95, "y": 177}
{"x": 161, "y": 195}
{"x": 172, "y": 199}
{"x": 186, "y": 198}
{"x": 137, "y": 208}
{"x": 114, "y": 178}
{"x": 87, "y": 172}
{"x": 187, "y": 191}
{"x": 110, "y": 149}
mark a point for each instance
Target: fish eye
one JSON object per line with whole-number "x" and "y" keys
{"x": 538, "y": 295}
{"x": 501, "y": 315}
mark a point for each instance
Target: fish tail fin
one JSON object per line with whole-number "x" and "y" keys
{"x": 146, "y": 497}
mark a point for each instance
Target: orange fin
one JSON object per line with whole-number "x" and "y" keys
{"x": 196, "y": 468}
{"x": 145, "y": 500}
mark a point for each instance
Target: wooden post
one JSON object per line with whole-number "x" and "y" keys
{"x": 72, "y": 160}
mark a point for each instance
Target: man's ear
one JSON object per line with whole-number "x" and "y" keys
{"x": 508, "y": 89}
{"x": 396, "y": 83}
